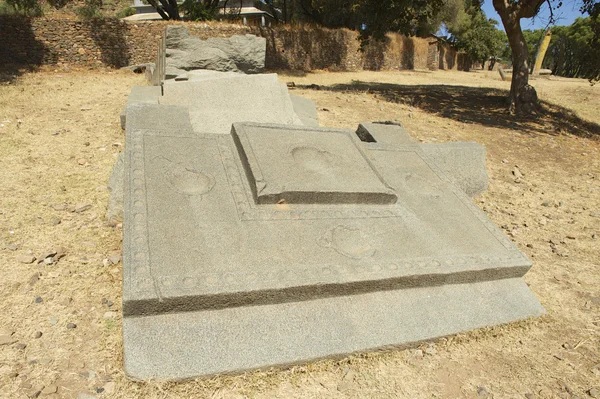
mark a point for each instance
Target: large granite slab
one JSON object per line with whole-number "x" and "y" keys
{"x": 299, "y": 165}
{"x": 215, "y": 103}
{"x": 140, "y": 95}
{"x": 306, "y": 109}
{"x": 198, "y": 238}
{"x": 186, "y": 345}
{"x": 248, "y": 245}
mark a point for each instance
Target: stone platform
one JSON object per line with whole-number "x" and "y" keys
{"x": 254, "y": 238}
{"x": 278, "y": 244}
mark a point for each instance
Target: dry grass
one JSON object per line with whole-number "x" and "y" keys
{"x": 39, "y": 169}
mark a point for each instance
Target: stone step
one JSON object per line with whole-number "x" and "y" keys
{"x": 191, "y": 344}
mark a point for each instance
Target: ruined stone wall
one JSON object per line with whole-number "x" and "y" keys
{"x": 116, "y": 43}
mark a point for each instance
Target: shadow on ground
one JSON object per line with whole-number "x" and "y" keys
{"x": 20, "y": 50}
{"x": 480, "y": 105}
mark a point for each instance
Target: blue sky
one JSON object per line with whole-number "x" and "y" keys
{"x": 566, "y": 15}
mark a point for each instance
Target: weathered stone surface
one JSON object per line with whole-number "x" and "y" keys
{"x": 140, "y": 95}
{"x": 463, "y": 163}
{"x": 299, "y": 165}
{"x": 265, "y": 244}
{"x": 236, "y": 53}
{"x": 214, "y": 104}
{"x": 185, "y": 345}
{"x": 185, "y": 190}
{"x": 305, "y": 109}
{"x": 114, "y": 212}
{"x": 200, "y": 74}
{"x": 158, "y": 117}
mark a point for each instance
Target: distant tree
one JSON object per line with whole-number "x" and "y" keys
{"x": 522, "y": 95}
{"x": 592, "y": 8}
{"x": 477, "y": 35}
{"x": 200, "y": 10}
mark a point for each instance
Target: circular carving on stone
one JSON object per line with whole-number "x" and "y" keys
{"x": 350, "y": 242}
{"x": 312, "y": 159}
{"x": 185, "y": 179}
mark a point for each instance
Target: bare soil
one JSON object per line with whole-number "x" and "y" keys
{"x": 60, "y": 135}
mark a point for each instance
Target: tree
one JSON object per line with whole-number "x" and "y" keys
{"x": 592, "y": 8}
{"x": 201, "y": 10}
{"x": 477, "y": 35}
{"x": 167, "y": 9}
{"x": 522, "y": 96}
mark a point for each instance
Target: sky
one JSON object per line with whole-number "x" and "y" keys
{"x": 565, "y": 15}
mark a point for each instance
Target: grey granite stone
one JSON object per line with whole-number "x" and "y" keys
{"x": 214, "y": 104}
{"x": 306, "y": 110}
{"x": 185, "y": 345}
{"x": 190, "y": 197}
{"x": 201, "y": 74}
{"x": 463, "y": 163}
{"x": 114, "y": 212}
{"x": 248, "y": 245}
{"x": 140, "y": 95}
{"x": 237, "y": 53}
{"x": 158, "y": 117}
{"x": 298, "y": 165}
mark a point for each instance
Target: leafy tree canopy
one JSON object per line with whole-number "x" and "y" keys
{"x": 477, "y": 35}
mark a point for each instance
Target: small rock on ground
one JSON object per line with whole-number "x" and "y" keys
{"x": 6, "y": 340}
{"x": 49, "y": 389}
{"x": 26, "y": 258}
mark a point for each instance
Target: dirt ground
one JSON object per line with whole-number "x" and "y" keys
{"x": 60, "y": 135}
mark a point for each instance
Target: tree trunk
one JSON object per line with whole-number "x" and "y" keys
{"x": 523, "y": 97}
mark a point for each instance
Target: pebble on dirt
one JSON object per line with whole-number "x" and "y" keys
{"x": 82, "y": 207}
{"x": 71, "y": 325}
{"x": 26, "y": 258}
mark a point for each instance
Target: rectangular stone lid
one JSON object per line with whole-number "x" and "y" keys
{"x": 300, "y": 165}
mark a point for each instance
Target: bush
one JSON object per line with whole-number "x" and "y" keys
{"x": 30, "y": 8}
{"x": 90, "y": 10}
{"x": 196, "y": 10}
{"x": 125, "y": 12}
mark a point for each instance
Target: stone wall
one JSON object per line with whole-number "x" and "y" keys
{"x": 116, "y": 43}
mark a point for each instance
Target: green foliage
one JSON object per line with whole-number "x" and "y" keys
{"x": 478, "y": 36}
{"x": 91, "y": 9}
{"x": 373, "y": 18}
{"x": 197, "y": 10}
{"x": 125, "y": 12}
{"x": 31, "y": 8}
{"x": 572, "y": 53}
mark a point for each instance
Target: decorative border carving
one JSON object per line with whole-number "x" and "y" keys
{"x": 324, "y": 274}
{"x": 140, "y": 276}
{"x": 137, "y": 218}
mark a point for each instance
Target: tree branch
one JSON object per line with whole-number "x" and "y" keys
{"x": 528, "y": 8}
{"x": 159, "y": 10}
